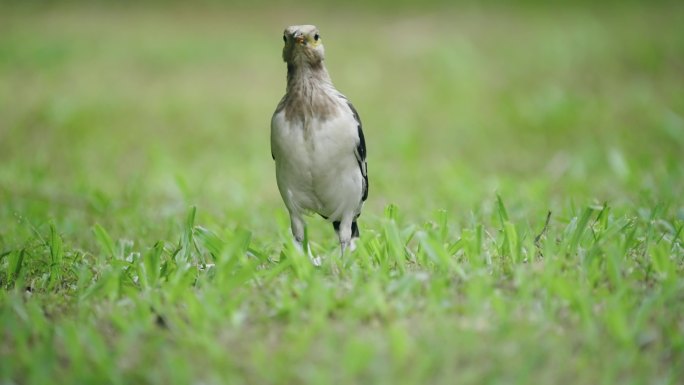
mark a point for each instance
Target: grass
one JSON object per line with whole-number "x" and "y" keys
{"x": 142, "y": 238}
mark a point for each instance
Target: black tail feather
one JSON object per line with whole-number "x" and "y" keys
{"x": 355, "y": 230}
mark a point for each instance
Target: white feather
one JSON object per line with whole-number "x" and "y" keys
{"x": 316, "y": 166}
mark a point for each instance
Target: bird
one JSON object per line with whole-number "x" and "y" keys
{"x": 317, "y": 143}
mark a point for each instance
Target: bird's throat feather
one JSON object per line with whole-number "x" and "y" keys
{"x": 308, "y": 94}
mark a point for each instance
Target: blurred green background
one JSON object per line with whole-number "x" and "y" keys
{"x": 126, "y": 114}
{"x": 108, "y": 108}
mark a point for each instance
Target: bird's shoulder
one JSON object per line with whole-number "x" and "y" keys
{"x": 360, "y": 150}
{"x": 351, "y": 108}
{"x": 358, "y": 125}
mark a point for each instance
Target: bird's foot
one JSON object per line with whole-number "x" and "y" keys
{"x": 352, "y": 244}
{"x": 343, "y": 248}
{"x": 349, "y": 245}
{"x": 316, "y": 261}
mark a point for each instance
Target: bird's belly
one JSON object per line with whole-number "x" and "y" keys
{"x": 319, "y": 173}
{"x": 295, "y": 182}
{"x": 337, "y": 183}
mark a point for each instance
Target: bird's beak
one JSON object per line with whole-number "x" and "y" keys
{"x": 299, "y": 37}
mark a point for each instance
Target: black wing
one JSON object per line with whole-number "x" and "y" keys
{"x": 361, "y": 151}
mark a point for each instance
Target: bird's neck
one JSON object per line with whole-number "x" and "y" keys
{"x": 310, "y": 93}
{"x": 307, "y": 78}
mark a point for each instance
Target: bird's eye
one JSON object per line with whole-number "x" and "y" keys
{"x": 285, "y": 38}
{"x": 316, "y": 37}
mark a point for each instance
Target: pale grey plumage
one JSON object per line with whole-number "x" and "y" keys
{"x": 317, "y": 142}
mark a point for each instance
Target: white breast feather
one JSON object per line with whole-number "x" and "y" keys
{"x": 316, "y": 168}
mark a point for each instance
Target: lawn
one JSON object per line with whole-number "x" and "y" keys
{"x": 524, "y": 223}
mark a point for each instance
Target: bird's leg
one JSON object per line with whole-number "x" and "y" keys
{"x": 353, "y": 238}
{"x": 297, "y": 225}
{"x": 344, "y": 232}
{"x": 298, "y": 232}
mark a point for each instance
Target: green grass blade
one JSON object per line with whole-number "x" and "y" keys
{"x": 104, "y": 240}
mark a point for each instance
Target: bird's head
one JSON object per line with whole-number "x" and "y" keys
{"x": 303, "y": 45}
